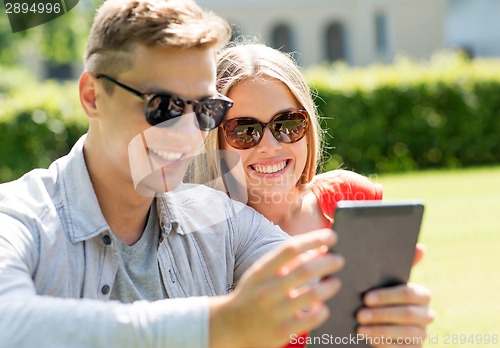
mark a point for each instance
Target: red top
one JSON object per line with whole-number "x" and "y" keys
{"x": 332, "y": 187}
{"x": 343, "y": 185}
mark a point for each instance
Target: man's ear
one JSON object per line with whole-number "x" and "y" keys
{"x": 88, "y": 94}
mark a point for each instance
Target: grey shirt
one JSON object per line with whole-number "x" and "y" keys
{"x": 58, "y": 262}
{"x": 138, "y": 276}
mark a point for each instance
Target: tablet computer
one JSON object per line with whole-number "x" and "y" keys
{"x": 377, "y": 240}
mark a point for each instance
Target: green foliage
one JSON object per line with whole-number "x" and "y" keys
{"x": 8, "y": 47}
{"x": 442, "y": 113}
{"x": 60, "y": 41}
{"x": 14, "y": 78}
{"x": 38, "y": 123}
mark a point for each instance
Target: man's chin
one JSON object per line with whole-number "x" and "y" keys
{"x": 158, "y": 182}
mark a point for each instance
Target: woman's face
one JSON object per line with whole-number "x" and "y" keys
{"x": 271, "y": 169}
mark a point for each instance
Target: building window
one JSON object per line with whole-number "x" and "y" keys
{"x": 335, "y": 42}
{"x": 282, "y": 38}
{"x": 381, "y": 34}
{"x": 59, "y": 71}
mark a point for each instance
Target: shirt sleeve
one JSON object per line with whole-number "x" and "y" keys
{"x": 340, "y": 185}
{"x": 31, "y": 320}
{"x": 253, "y": 236}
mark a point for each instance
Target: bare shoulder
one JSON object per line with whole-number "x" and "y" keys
{"x": 310, "y": 218}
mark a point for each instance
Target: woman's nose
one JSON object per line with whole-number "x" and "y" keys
{"x": 268, "y": 142}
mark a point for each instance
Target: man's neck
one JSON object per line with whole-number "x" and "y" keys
{"x": 126, "y": 217}
{"x": 123, "y": 208}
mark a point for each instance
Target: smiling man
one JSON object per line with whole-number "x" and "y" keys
{"x": 107, "y": 248}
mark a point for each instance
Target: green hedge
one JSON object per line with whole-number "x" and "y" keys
{"x": 441, "y": 113}
{"x": 38, "y": 123}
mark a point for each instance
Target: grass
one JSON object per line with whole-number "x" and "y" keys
{"x": 461, "y": 230}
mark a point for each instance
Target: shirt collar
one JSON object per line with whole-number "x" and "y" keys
{"x": 192, "y": 208}
{"x": 82, "y": 207}
{"x": 168, "y": 214}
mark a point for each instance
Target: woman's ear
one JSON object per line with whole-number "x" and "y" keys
{"x": 88, "y": 94}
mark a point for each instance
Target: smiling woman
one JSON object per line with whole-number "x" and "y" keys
{"x": 273, "y": 130}
{"x": 272, "y": 162}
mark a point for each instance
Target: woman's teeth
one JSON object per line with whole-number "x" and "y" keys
{"x": 269, "y": 169}
{"x": 167, "y": 156}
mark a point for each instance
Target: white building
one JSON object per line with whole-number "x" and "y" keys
{"x": 474, "y": 25}
{"x": 363, "y": 31}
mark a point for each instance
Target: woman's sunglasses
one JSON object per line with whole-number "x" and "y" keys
{"x": 246, "y": 132}
{"x": 161, "y": 107}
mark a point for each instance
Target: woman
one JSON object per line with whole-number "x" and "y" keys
{"x": 273, "y": 127}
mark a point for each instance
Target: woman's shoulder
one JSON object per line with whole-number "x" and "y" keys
{"x": 342, "y": 185}
{"x": 346, "y": 185}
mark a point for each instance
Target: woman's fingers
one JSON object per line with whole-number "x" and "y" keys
{"x": 396, "y": 315}
{"x": 409, "y": 294}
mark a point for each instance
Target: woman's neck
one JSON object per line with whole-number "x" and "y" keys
{"x": 280, "y": 209}
{"x": 298, "y": 213}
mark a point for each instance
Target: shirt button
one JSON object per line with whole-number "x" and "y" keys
{"x": 105, "y": 289}
{"x": 106, "y": 239}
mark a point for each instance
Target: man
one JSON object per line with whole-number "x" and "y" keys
{"x": 86, "y": 230}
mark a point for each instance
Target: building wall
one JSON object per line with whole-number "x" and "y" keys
{"x": 413, "y": 26}
{"x": 475, "y": 26}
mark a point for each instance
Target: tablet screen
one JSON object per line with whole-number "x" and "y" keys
{"x": 377, "y": 240}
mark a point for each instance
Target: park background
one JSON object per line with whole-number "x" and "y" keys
{"x": 409, "y": 93}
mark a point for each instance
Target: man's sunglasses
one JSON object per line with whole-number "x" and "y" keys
{"x": 161, "y": 107}
{"x": 246, "y": 132}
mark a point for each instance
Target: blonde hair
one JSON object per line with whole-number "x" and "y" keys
{"x": 254, "y": 60}
{"x": 119, "y": 24}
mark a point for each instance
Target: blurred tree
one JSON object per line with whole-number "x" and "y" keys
{"x": 58, "y": 42}
{"x": 8, "y": 46}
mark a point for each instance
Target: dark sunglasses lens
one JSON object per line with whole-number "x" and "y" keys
{"x": 242, "y": 133}
{"x": 162, "y": 108}
{"x": 289, "y": 127}
{"x": 211, "y": 112}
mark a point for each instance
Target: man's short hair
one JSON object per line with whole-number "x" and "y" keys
{"x": 119, "y": 24}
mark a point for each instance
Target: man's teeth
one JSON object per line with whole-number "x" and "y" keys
{"x": 167, "y": 156}
{"x": 268, "y": 169}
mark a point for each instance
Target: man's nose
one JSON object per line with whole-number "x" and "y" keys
{"x": 185, "y": 123}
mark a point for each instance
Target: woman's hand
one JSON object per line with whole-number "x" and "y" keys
{"x": 396, "y": 317}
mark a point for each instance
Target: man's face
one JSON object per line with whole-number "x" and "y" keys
{"x": 154, "y": 158}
